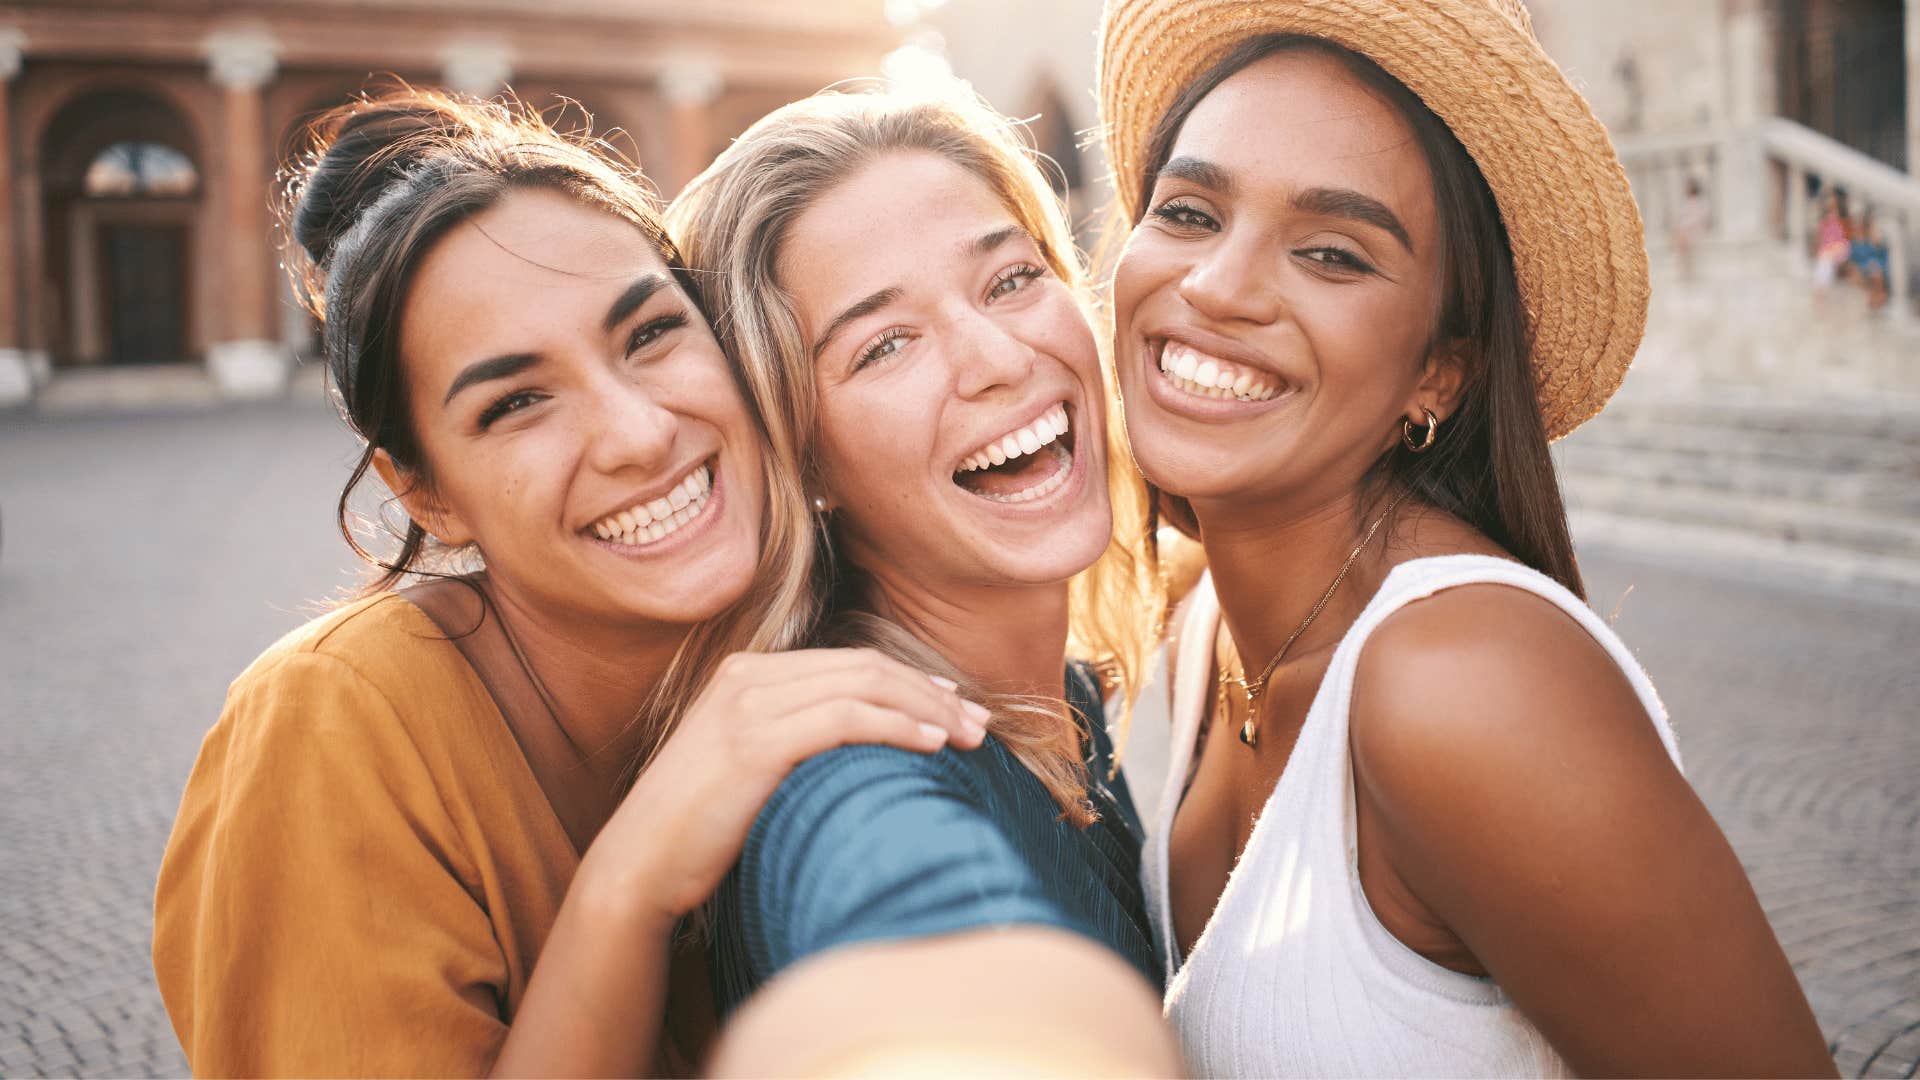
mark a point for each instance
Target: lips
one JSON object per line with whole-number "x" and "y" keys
{"x": 1204, "y": 376}
{"x": 1027, "y": 463}
{"x": 655, "y": 519}
{"x": 1201, "y": 373}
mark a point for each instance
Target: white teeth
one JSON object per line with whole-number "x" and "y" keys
{"x": 1028, "y": 440}
{"x": 656, "y": 518}
{"x": 1207, "y": 376}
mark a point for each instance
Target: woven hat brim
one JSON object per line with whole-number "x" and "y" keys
{"x": 1579, "y": 252}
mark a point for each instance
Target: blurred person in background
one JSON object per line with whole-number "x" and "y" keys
{"x": 899, "y": 284}
{"x": 1424, "y": 813}
{"x": 1867, "y": 259}
{"x": 1690, "y": 228}
{"x": 414, "y": 843}
{"x": 1832, "y": 246}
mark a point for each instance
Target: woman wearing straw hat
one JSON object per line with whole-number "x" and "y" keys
{"x": 1424, "y": 814}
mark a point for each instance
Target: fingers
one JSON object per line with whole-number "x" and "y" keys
{"x": 822, "y": 727}
{"x": 891, "y": 685}
{"x": 768, "y": 693}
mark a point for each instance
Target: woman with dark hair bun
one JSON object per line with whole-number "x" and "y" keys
{"x": 408, "y": 802}
{"x": 1424, "y": 812}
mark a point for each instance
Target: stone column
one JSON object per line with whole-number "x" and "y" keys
{"x": 1744, "y": 194}
{"x": 245, "y": 361}
{"x": 476, "y": 66}
{"x": 1913, "y": 87}
{"x": 19, "y": 371}
{"x": 689, "y": 85}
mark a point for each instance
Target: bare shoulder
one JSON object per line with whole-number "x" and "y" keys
{"x": 1491, "y": 684}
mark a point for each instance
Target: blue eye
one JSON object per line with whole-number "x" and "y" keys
{"x": 889, "y": 342}
{"x": 1012, "y": 280}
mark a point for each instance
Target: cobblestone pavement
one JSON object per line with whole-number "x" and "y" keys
{"x": 146, "y": 560}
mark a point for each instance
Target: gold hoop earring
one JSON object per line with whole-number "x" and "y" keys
{"x": 1433, "y": 429}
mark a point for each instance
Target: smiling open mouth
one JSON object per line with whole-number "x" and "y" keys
{"x": 1210, "y": 376}
{"x": 1023, "y": 465}
{"x": 656, "y": 519}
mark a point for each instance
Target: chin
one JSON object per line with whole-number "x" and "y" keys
{"x": 1065, "y": 549}
{"x": 704, "y": 590}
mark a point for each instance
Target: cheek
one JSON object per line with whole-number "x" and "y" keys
{"x": 1370, "y": 335}
{"x": 1059, "y": 328}
{"x": 506, "y": 494}
{"x": 706, "y": 389}
{"x": 1144, "y": 267}
{"x": 871, "y": 447}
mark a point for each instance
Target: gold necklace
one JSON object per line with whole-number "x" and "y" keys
{"x": 1249, "y": 731}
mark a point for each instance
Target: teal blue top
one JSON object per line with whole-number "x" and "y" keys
{"x": 870, "y": 843}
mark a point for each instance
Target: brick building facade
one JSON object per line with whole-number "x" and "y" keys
{"x": 139, "y": 139}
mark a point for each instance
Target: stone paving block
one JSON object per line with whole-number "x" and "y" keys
{"x": 57, "y": 1065}
{"x": 1794, "y": 707}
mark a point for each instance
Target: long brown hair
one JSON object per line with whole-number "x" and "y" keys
{"x": 1490, "y": 466}
{"x": 732, "y": 222}
{"x": 385, "y": 177}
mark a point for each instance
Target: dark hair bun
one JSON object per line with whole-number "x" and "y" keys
{"x": 360, "y": 149}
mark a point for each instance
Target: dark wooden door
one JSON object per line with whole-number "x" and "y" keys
{"x": 145, "y": 267}
{"x": 1841, "y": 69}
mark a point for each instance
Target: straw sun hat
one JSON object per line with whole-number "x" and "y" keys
{"x": 1578, "y": 251}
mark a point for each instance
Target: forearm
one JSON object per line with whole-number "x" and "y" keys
{"x": 1027, "y": 1001}
{"x": 597, "y": 1000}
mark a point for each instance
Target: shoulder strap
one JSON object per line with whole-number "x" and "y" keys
{"x": 462, "y": 613}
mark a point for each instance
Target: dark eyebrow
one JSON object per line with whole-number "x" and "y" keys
{"x": 1345, "y": 203}
{"x": 500, "y": 367}
{"x": 858, "y": 311}
{"x": 631, "y": 300}
{"x": 1326, "y": 202}
{"x": 1205, "y": 173}
{"x": 986, "y": 242}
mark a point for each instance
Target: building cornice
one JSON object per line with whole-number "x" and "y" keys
{"x": 416, "y": 36}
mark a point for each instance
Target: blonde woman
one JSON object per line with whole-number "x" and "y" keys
{"x": 898, "y": 283}
{"x": 413, "y": 843}
{"x": 1424, "y": 814}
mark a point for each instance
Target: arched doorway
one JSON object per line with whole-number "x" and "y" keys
{"x": 122, "y": 194}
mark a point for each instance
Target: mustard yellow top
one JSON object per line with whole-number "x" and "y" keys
{"x": 364, "y": 866}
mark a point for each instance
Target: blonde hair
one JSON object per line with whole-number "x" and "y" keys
{"x": 732, "y": 222}
{"x": 383, "y": 179}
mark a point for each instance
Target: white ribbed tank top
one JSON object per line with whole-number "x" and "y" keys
{"x": 1294, "y": 975}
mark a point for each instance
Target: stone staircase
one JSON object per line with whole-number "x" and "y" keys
{"x": 1749, "y": 317}
{"x": 1760, "y": 425}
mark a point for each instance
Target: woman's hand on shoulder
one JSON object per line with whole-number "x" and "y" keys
{"x": 1517, "y": 789}
{"x": 687, "y": 816}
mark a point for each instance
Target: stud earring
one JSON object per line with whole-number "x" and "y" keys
{"x": 819, "y": 504}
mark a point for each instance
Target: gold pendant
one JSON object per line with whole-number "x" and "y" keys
{"x": 1249, "y": 734}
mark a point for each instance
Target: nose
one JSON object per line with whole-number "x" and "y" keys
{"x": 987, "y": 355}
{"x": 629, "y": 428}
{"x": 1235, "y": 281}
